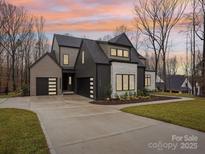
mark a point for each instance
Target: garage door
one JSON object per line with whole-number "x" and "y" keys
{"x": 85, "y": 87}
{"x": 46, "y": 86}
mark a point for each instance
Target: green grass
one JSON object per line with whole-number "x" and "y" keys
{"x": 189, "y": 114}
{"x": 11, "y": 94}
{"x": 20, "y": 133}
{"x": 172, "y": 94}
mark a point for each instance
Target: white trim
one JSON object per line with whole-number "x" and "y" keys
{"x": 51, "y": 82}
{"x": 52, "y": 93}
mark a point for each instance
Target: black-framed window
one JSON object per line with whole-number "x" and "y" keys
{"x": 126, "y": 53}
{"x": 119, "y": 53}
{"x": 65, "y": 59}
{"x": 113, "y": 52}
{"x": 125, "y": 82}
{"x": 147, "y": 80}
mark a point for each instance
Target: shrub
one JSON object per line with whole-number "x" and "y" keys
{"x": 108, "y": 91}
{"x": 25, "y": 90}
{"x": 126, "y": 95}
{"x": 143, "y": 92}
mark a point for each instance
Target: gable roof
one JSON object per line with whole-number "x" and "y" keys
{"x": 68, "y": 41}
{"x": 174, "y": 82}
{"x": 121, "y": 39}
{"x": 96, "y": 52}
{"x": 135, "y": 57}
{"x": 46, "y": 54}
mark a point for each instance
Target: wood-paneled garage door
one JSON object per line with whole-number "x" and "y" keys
{"x": 46, "y": 86}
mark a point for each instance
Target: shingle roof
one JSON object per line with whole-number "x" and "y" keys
{"x": 50, "y": 54}
{"x": 68, "y": 41}
{"x": 97, "y": 54}
{"x": 121, "y": 39}
{"x": 135, "y": 57}
{"x": 174, "y": 82}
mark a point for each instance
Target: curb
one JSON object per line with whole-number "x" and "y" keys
{"x": 50, "y": 146}
{"x": 3, "y": 100}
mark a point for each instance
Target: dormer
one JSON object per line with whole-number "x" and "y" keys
{"x": 66, "y": 49}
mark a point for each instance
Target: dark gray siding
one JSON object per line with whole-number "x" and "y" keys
{"x": 86, "y": 70}
{"x": 103, "y": 80}
{"x": 141, "y": 78}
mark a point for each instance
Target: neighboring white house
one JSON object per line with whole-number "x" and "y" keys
{"x": 150, "y": 80}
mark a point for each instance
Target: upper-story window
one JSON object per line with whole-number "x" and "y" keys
{"x": 83, "y": 57}
{"x": 126, "y": 53}
{"x": 119, "y": 53}
{"x": 65, "y": 59}
{"x": 113, "y": 52}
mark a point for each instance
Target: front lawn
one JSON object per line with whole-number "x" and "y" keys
{"x": 173, "y": 94}
{"x": 20, "y": 132}
{"x": 189, "y": 114}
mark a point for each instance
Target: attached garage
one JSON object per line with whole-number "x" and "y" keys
{"x": 41, "y": 86}
{"x": 85, "y": 87}
{"x": 46, "y": 86}
{"x": 45, "y": 77}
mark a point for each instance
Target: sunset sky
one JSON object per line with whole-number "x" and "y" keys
{"x": 91, "y": 18}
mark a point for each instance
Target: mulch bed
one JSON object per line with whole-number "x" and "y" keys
{"x": 142, "y": 100}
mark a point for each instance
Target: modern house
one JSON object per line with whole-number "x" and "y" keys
{"x": 91, "y": 68}
{"x": 177, "y": 84}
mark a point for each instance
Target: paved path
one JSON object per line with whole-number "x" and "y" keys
{"x": 73, "y": 126}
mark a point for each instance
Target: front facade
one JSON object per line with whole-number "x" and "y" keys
{"x": 95, "y": 69}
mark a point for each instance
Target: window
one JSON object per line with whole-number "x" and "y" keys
{"x": 125, "y": 82}
{"x": 65, "y": 59}
{"x": 113, "y": 52}
{"x": 132, "y": 82}
{"x": 126, "y": 53}
{"x": 83, "y": 57}
{"x": 70, "y": 80}
{"x": 119, "y": 83}
{"x": 119, "y": 53}
{"x": 147, "y": 80}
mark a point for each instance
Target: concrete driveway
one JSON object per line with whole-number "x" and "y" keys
{"x": 73, "y": 126}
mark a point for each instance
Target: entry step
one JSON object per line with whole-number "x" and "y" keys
{"x": 68, "y": 92}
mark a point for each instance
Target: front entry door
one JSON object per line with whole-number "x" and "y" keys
{"x": 70, "y": 83}
{"x": 67, "y": 82}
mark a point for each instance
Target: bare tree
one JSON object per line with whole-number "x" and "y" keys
{"x": 121, "y": 29}
{"x": 136, "y": 38}
{"x": 172, "y": 66}
{"x": 157, "y": 18}
{"x": 15, "y": 30}
{"x": 41, "y": 39}
{"x": 146, "y": 21}
{"x": 200, "y": 32}
{"x": 105, "y": 38}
